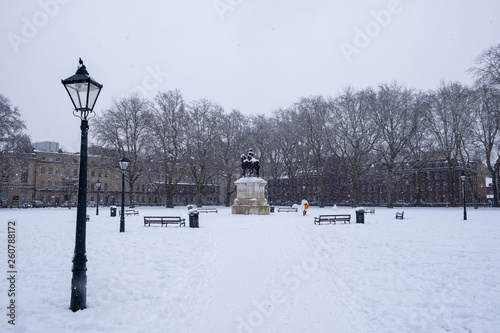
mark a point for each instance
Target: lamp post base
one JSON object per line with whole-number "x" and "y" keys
{"x": 79, "y": 283}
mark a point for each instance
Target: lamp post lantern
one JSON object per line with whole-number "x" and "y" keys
{"x": 124, "y": 162}
{"x": 98, "y": 185}
{"x": 462, "y": 176}
{"x": 83, "y": 91}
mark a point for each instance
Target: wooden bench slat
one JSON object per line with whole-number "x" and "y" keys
{"x": 333, "y": 218}
{"x": 129, "y": 212}
{"x": 287, "y": 209}
{"x": 207, "y": 210}
{"x": 164, "y": 220}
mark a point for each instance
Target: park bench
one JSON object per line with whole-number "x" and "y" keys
{"x": 333, "y": 219}
{"x": 288, "y": 209}
{"x": 399, "y": 215}
{"x": 207, "y": 210}
{"x": 130, "y": 212}
{"x": 164, "y": 220}
{"x": 370, "y": 211}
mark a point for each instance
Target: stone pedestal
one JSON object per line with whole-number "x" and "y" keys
{"x": 250, "y": 197}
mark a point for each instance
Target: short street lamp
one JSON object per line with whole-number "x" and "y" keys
{"x": 462, "y": 176}
{"x": 124, "y": 162}
{"x": 83, "y": 91}
{"x": 98, "y": 185}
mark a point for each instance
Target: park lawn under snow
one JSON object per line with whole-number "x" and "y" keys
{"x": 431, "y": 272}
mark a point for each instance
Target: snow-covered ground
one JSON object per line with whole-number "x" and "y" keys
{"x": 431, "y": 272}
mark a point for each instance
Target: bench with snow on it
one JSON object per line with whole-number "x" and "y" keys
{"x": 288, "y": 209}
{"x": 333, "y": 219}
{"x": 207, "y": 210}
{"x": 164, "y": 220}
{"x": 400, "y": 215}
{"x": 370, "y": 211}
{"x": 130, "y": 212}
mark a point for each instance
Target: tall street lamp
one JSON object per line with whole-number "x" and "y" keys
{"x": 83, "y": 91}
{"x": 462, "y": 176}
{"x": 124, "y": 162}
{"x": 98, "y": 185}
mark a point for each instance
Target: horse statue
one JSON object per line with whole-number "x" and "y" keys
{"x": 249, "y": 165}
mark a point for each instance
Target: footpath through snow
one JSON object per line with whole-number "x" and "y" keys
{"x": 431, "y": 272}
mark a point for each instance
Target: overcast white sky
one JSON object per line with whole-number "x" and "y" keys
{"x": 250, "y": 55}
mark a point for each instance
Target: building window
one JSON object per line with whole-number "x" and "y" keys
{"x": 49, "y": 185}
{"x": 24, "y": 195}
{"x": 51, "y": 171}
{"x": 42, "y": 170}
{"x": 42, "y": 185}
{"x": 5, "y": 195}
{"x": 92, "y": 173}
{"x": 116, "y": 187}
{"x": 5, "y": 176}
{"x": 56, "y": 186}
{"x": 24, "y": 177}
{"x": 105, "y": 186}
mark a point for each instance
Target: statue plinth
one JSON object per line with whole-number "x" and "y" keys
{"x": 250, "y": 197}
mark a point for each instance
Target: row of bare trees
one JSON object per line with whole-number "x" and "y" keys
{"x": 396, "y": 126}
{"x": 391, "y": 124}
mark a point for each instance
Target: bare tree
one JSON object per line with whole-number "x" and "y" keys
{"x": 487, "y": 68}
{"x": 12, "y": 136}
{"x": 123, "y": 128}
{"x": 398, "y": 114}
{"x": 450, "y": 117}
{"x": 233, "y": 130}
{"x": 487, "y": 130}
{"x": 288, "y": 141}
{"x": 314, "y": 115}
{"x": 167, "y": 139}
{"x": 203, "y": 132}
{"x": 14, "y": 142}
{"x": 354, "y": 133}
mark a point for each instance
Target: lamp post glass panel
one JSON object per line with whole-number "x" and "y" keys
{"x": 462, "y": 177}
{"x": 83, "y": 91}
{"x": 124, "y": 162}
{"x": 98, "y": 185}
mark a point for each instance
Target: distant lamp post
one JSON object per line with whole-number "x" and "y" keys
{"x": 98, "y": 185}
{"x": 83, "y": 91}
{"x": 124, "y": 162}
{"x": 462, "y": 176}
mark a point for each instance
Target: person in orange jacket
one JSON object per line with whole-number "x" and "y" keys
{"x": 305, "y": 206}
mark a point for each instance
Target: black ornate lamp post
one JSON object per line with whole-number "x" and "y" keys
{"x": 83, "y": 91}
{"x": 462, "y": 176}
{"x": 98, "y": 185}
{"x": 124, "y": 162}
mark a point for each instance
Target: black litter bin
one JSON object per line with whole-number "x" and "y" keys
{"x": 194, "y": 219}
{"x": 272, "y": 209}
{"x": 112, "y": 211}
{"x": 360, "y": 216}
